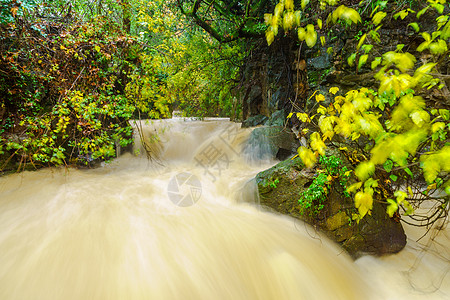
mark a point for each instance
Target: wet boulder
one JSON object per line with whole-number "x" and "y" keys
{"x": 282, "y": 187}
{"x": 254, "y": 121}
{"x": 270, "y": 142}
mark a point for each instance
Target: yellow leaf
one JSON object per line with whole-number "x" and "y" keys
{"x": 326, "y": 123}
{"x": 298, "y": 17}
{"x": 392, "y": 207}
{"x": 268, "y": 19}
{"x": 269, "y": 36}
{"x": 307, "y": 156}
{"x": 279, "y": 8}
{"x": 322, "y": 40}
{"x": 364, "y": 170}
{"x": 378, "y": 17}
{"x": 334, "y": 90}
{"x": 437, "y": 126}
{"x": 430, "y": 168}
{"x": 304, "y": 3}
{"x": 301, "y": 34}
{"x": 411, "y": 194}
{"x": 288, "y": 21}
{"x": 420, "y": 117}
{"x": 319, "y": 23}
{"x": 321, "y": 110}
{"x": 401, "y": 195}
{"x": 354, "y": 187}
{"x": 320, "y": 97}
{"x": 438, "y": 47}
{"x": 289, "y": 4}
{"x": 363, "y": 202}
{"x": 317, "y": 144}
{"x": 349, "y": 15}
{"x": 361, "y": 41}
{"x": 303, "y": 117}
{"x": 311, "y": 36}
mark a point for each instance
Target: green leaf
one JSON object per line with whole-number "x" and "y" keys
{"x": 351, "y": 59}
{"x": 402, "y": 14}
{"x": 445, "y": 32}
{"x": 375, "y": 63}
{"x": 388, "y": 165}
{"x": 367, "y": 48}
{"x": 422, "y": 11}
{"x": 438, "y": 7}
{"x": 298, "y": 17}
{"x": 393, "y": 177}
{"x": 445, "y": 114}
{"x": 408, "y": 171}
{"x": 362, "y": 60}
{"x": 415, "y": 26}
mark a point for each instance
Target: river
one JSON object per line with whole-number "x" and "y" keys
{"x": 186, "y": 225}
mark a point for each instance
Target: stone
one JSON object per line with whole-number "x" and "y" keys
{"x": 375, "y": 234}
{"x": 254, "y": 121}
{"x": 270, "y": 142}
{"x": 278, "y": 118}
{"x": 322, "y": 62}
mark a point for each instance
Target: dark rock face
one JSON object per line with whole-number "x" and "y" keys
{"x": 375, "y": 234}
{"x": 272, "y": 78}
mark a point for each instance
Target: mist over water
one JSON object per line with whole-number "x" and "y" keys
{"x": 116, "y": 232}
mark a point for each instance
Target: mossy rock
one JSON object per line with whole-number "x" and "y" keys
{"x": 281, "y": 187}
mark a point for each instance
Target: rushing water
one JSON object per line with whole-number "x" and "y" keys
{"x": 183, "y": 226}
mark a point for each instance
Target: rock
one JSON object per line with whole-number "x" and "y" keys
{"x": 322, "y": 62}
{"x": 254, "y": 121}
{"x": 281, "y": 187}
{"x": 278, "y": 118}
{"x": 269, "y": 143}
